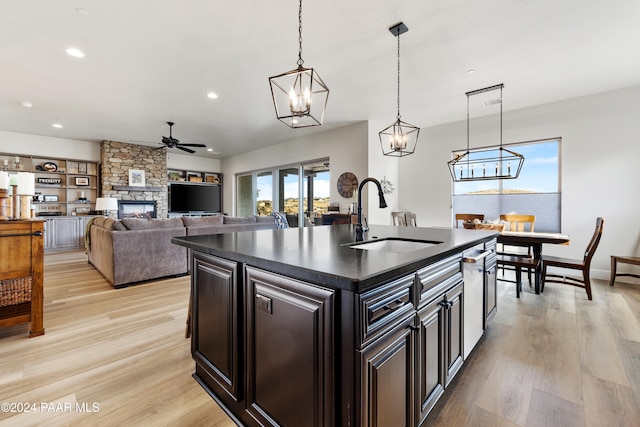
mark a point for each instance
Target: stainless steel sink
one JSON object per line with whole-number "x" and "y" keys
{"x": 395, "y": 245}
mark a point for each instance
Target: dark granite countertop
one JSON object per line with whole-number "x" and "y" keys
{"x": 321, "y": 255}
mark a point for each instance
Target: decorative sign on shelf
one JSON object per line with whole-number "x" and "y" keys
{"x": 50, "y": 181}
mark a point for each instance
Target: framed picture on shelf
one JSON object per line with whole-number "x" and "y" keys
{"x": 82, "y": 181}
{"x": 136, "y": 178}
{"x": 82, "y": 167}
{"x": 50, "y": 198}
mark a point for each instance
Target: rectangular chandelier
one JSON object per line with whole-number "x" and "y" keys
{"x": 486, "y": 163}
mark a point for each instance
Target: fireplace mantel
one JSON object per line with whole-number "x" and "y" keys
{"x": 134, "y": 188}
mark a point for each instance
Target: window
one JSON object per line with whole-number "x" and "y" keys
{"x": 258, "y": 190}
{"x": 536, "y": 191}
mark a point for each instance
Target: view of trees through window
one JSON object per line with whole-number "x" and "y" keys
{"x": 536, "y": 191}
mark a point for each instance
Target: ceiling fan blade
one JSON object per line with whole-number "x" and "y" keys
{"x": 193, "y": 145}
{"x": 180, "y": 147}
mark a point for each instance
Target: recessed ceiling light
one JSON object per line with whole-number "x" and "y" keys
{"x": 82, "y": 11}
{"x": 57, "y": 125}
{"x": 209, "y": 149}
{"x": 471, "y": 71}
{"x": 212, "y": 95}
{"x": 26, "y": 104}
{"x": 75, "y": 52}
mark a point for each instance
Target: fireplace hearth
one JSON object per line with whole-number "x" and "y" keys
{"x": 136, "y": 209}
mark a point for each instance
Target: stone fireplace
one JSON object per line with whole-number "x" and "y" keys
{"x": 118, "y": 158}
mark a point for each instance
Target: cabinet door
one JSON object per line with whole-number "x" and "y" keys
{"x": 65, "y": 232}
{"x": 454, "y": 322}
{"x": 290, "y": 351}
{"x": 386, "y": 378}
{"x": 430, "y": 374}
{"x": 216, "y": 336}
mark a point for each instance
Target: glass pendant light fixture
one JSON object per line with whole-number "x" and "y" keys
{"x": 486, "y": 163}
{"x": 400, "y": 138}
{"x": 299, "y": 96}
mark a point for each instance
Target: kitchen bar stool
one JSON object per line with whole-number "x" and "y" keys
{"x": 623, "y": 260}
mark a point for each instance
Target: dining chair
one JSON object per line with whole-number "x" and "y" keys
{"x": 467, "y": 217}
{"x": 516, "y": 222}
{"x": 399, "y": 219}
{"x": 582, "y": 265}
{"x": 517, "y": 263}
{"x": 410, "y": 219}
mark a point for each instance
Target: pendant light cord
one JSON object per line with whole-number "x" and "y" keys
{"x": 300, "y": 61}
{"x": 398, "y": 116}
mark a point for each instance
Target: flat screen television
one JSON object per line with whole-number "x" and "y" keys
{"x": 194, "y": 197}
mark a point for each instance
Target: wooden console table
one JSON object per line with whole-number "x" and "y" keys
{"x": 21, "y": 273}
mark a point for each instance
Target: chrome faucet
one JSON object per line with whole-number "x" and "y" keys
{"x": 383, "y": 204}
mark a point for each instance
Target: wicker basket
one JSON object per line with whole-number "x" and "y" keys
{"x": 15, "y": 291}
{"x": 481, "y": 226}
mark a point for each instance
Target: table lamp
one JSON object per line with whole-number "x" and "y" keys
{"x": 106, "y": 204}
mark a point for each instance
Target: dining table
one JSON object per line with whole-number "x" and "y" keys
{"x": 535, "y": 240}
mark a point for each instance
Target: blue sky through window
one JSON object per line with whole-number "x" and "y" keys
{"x": 539, "y": 174}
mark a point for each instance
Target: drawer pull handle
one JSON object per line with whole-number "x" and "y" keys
{"x": 394, "y": 305}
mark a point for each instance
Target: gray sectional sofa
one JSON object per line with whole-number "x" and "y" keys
{"x": 134, "y": 250}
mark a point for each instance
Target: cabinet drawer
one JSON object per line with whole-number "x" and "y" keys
{"x": 439, "y": 276}
{"x": 379, "y": 309}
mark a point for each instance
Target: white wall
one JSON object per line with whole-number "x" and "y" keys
{"x": 35, "y": 145}
{"x": 191, "y": 162}
{"x": 43, "y": 146}
{"x": 600, "y": 149}
{"x": 346, "y": 148}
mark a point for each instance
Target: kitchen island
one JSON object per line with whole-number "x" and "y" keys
{"x": 306, "y": 326}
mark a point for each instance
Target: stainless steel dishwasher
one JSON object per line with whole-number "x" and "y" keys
{"x": 473, "y": 295}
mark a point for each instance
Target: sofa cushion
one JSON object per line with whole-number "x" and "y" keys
{"x": 151, "y": 224}
{"x": 195, "y": 221}
{"x": 108, "y": 223}
{"x": 118, "y": 225}
{"x": 239, "y": 220}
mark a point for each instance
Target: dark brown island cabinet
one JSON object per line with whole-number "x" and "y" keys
{"x": 305, "y": 327}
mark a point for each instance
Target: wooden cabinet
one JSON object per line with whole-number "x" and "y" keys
{"x": 386, "y": 342}
{"x": 386, "y": 378}
{"x": 439, "y": 347}
{"x": 65, "y": 232}
{"x": 62, "y": 186}
{"x": 216, "y": 310}
{"x": 290, "y": 364}
{"x": 274, "y": 350}
{"x": 21, "y": 274}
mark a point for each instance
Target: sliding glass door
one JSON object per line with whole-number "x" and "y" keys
{"x": 257, "y": 191}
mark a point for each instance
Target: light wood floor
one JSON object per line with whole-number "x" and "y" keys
{"x": 555, "y": 359}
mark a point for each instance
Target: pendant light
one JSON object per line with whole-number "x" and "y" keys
{"x": 400, "y": 138}
{"x": 299, "y": 96}
{"x": 486, "y": 163}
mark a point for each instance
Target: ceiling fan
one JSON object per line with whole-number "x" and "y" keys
{"x": 172, "y": 142}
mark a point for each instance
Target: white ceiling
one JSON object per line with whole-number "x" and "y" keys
{"x": 152, "y": 61}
